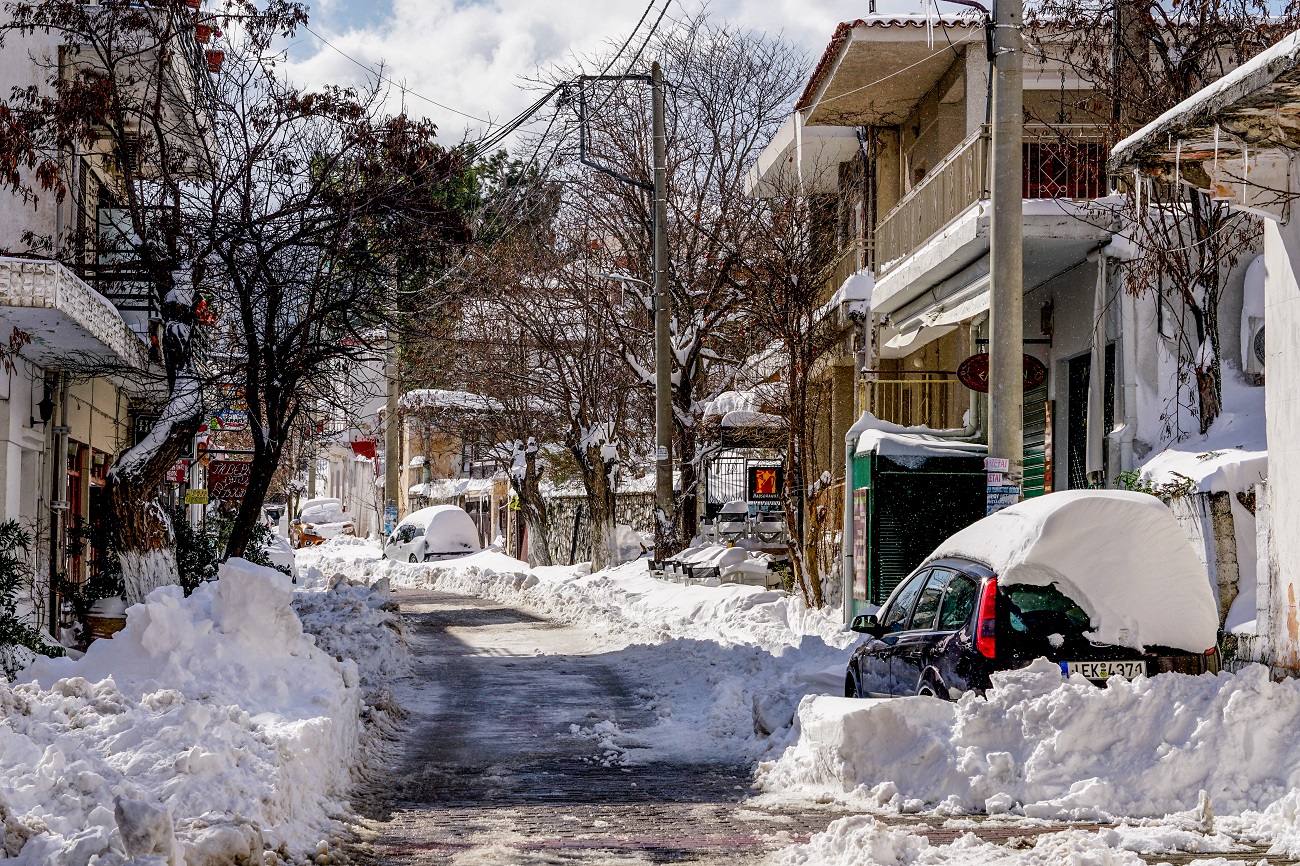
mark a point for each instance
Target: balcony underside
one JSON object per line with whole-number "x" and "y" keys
{"x": 1058, "y": 233}
{"x": 68, "y": 323}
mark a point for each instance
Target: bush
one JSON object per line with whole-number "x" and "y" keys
{"x": 20, "y": 641}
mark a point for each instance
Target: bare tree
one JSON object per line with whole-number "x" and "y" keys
{"x": 1143, "y": 57}
{"x": 729, "y": 89}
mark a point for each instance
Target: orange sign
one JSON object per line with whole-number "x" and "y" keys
{"x": 764, "y": 483}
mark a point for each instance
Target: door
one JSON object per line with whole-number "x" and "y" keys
{"x": 873, "y": 665}
{"x": 1077, "y": 420}
{"x": 915, "y": 644}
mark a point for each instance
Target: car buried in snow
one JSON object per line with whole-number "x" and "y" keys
{"x": 1102, "y": 583}
{"x": 432, "y": 534}
{"x": 318, "y": 521}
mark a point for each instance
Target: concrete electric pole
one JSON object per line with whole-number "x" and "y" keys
{"x": 663, "y": 360}
{"x": 392, "y": 438}
{"x": 1006, "y": 301}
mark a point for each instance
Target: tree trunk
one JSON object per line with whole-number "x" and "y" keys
{"x": 142, "y": 532}
{"x": 794, "y": 498}
{"x": 600, "y": 499}
{"x": 527, "y": 486}
{"x": 265, "y": 461}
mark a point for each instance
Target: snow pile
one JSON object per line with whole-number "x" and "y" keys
{"x": 728, "y": 560}
{"x": 1044, "y": 748}
{"x": 210, "y": 728}
{"x": 1231, "y": 457}
{"x": 723, "y": 667}
{"x": 1120, "y": 556}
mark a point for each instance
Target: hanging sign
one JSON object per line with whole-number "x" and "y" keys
{"x": 228, "y": 479}
{"x": 196, "y": 497}
{"x": 974, "y": 372}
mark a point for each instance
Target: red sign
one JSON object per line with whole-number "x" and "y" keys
{"x": 974, "y": 372}
{"x": 228, "y": 479}
{"x": 179, "y": 471}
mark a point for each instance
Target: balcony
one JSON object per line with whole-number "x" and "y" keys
{"x": 853, "y": 258}
{"x": 1060, "y": 162}
{"x": 66, "y": 319}
{"x": 936, "y": 400}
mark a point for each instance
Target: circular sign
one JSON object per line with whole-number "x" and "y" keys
{"x": 974, "y": 372}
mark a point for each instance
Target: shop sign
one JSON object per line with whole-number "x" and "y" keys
{"x": 765, "y": 483}
{"x": 228, "y": 479}
{"x": 143, "y": 424}
{"x": 179, "y": 471}
{"x": 196, "y": 497}
{"x": 974, "y": 372}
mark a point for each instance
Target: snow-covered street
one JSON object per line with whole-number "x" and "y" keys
{"x": 556, "y": 716}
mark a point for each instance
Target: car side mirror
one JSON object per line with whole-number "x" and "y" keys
{"x": 867, "y": 624}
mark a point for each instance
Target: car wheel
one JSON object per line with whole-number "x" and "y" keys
{"x": 931, "y": 688}
{"x": 850, "y": 686}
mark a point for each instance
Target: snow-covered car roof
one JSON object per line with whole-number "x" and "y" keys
{"x": 1120, "y": 556}
{"x": 322, "y": 511}
{"x": 447, "y": 529}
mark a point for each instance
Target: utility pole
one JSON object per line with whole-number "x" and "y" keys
{"x": 1006, "y": 251}
{"x": 392, "y": 439}
{"x": 663, "y": 361}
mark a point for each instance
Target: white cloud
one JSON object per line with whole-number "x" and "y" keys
{"x": 475, "y": 55}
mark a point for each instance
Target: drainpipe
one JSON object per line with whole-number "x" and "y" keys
{"x": 1128, "y": 346}
{"x": 59, "y": 494}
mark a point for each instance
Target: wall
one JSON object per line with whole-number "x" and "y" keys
{"x": 1282, "y": 312}
{"x": 17, "y": 69}
{"x": 631, "y": 509}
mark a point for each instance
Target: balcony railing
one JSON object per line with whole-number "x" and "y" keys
{"x": 933, "y": 399}
{"x": 855, "y": 257}
{"x": 1059, "y": 162}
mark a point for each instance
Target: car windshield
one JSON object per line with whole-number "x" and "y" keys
{"x": 1043, "y": 609}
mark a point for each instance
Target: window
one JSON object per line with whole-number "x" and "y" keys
{"x": 958, "y": 603}
{"x": 1043, "y": 609}
{"x": 927, "y": 607}
{"x": 895, "y": 618}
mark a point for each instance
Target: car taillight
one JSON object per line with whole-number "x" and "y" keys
{"x": 986, "y": 624}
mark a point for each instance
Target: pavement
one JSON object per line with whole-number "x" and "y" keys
{"x": 490, "y": 768}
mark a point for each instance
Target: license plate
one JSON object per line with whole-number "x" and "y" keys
{"x": 1104, "y": 670}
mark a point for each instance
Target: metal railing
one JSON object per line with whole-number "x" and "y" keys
{"x": 1066, "y": 161}
{"x": 933, "y": 399}
{"x": 853, "y": 258}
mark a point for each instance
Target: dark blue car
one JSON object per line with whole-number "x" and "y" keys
{"x": 949, "y": 626}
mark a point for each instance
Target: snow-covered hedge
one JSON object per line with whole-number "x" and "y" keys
{"x": 209, "y": 729}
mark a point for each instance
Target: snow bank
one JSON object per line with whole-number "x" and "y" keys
{"x": 1044, "y": 748}
{"x": 723, "y": 667}
{"x": 1120, "y": 556}
{"x": 894, "y": 440}
{"x": 213, "y": 717}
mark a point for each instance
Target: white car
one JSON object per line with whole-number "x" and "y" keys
{"x": 430, "y": 534}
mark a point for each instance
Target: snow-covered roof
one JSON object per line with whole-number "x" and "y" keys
{"x": 1242, "y": 105}
{"x": 437, "y": 398}
{"x": 1120, "y": 556}
{"x": 451, "y": 488}
{"x": 894, "y": 440}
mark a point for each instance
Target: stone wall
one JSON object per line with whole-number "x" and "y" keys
{"x": 631, "y": 509}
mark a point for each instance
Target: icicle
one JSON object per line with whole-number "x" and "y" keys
{"x": 1137, "y": 193}
{"x": 1245, "y": 168}
{"x": 1216, "y": 150}
{"x": 1178, "y": 161}
{"x": 931, "y": 8}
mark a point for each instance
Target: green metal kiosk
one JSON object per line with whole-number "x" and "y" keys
{"x": 910, "y": 492}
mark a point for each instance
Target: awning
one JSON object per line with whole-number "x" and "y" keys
{"x": 936, "y": 320}
{"x": 364, "y": 448}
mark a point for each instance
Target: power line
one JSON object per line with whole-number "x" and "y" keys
{"x": 400, "y": 87}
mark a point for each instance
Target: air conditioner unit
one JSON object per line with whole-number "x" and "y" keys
{"x": 1255, "y": 348}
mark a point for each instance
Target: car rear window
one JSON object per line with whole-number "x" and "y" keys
{"x": 1043, "y": 609}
